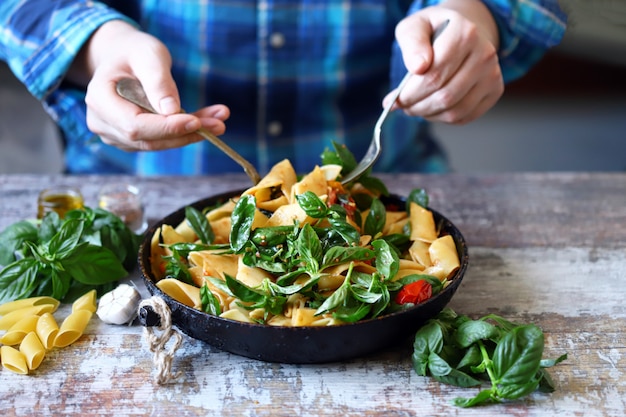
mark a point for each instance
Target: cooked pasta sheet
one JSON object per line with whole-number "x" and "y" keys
{"x": 301, "y": 251}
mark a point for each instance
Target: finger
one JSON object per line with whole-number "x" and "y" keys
{"x": 480, "y": 76}
{"x": 413, "y": 36}
{"x": 216, "y": 111}
{"x": 153, "y": 71}
{"x": 473, "y": 105}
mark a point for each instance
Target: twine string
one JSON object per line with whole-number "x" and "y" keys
{"x": 162, "y": 357}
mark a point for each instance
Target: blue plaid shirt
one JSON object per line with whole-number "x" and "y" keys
{"x": 296, "y": 75}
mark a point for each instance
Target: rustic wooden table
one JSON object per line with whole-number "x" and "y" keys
{"x": 544, "y": 248}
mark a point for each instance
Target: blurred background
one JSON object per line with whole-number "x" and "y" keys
{"x": 567, "y": 114}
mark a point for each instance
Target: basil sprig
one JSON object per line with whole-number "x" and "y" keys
{"x": 457, "y": 350}
{"x": 61, "y": 258}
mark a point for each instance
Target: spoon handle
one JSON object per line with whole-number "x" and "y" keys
{"x": 131, "y": 90}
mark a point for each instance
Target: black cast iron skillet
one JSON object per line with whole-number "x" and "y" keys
{"x": 299, "y": 345}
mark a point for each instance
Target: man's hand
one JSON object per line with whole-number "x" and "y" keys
{"x": 118, "y": 50}
{"x": 456, "y": 79}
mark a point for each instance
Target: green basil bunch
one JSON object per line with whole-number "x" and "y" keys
{"x": 63, "y": 258}
{"x": 457, "y": 350}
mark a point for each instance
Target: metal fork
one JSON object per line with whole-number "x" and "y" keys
{"x": 373, "y": 152}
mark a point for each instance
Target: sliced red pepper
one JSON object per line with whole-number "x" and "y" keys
{"x": 415, "y": 292}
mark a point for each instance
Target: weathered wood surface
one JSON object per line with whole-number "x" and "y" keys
{"x": 544, "y": 248}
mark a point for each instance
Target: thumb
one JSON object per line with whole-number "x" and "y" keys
{"x": 415, "y": 36}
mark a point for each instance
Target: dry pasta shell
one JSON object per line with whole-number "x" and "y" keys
{"x": 86, "y": 301}
{"x": 72, "y": 328}
{"x": 27, "y": 302}
{"x": 47, "y": 329}
{"x": 33, "y": 350}
{"x": 19, "y": 330}
{"x": 14, "y": 316}
{"x": 13, "y": 360}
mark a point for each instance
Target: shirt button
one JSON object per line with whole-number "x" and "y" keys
{"x": 277, "y": 40}
{"x": 274, "y": 128}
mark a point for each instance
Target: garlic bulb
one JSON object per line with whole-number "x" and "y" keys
{"x": 120, "y": 305}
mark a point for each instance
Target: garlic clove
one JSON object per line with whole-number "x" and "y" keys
{"x": 120, "y": 305}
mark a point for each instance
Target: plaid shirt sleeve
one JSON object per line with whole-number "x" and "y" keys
{"x": 40, "y": 38}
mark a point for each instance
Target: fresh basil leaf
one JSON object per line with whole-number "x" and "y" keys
{"x": 548, "y": 363}
{"x": 61, "y": 282}
{"x": 63, "y": 243}
{"x": 272, "y": 236}
{"x": 482, "y": 397}
{"x": 200, "y": 225}
{"x": 502, "y": 323}
{"x": 221, "y": 285}
{"x": 429, "y": 338}
{"x": 472, "y": 331}
{"x": 337, "y": 298}
{"x": 419, "y": 197}
{"x": 376, "y": 218}
{"x": 310, "y": 248}
{"x": 49, "y": 226}
{"x": 242, "y": 291}
{"x": 352, "y": 314}
{"x": 12, "y": 238}
{"x": 380, "y": 306}
{"x": 329, "y": 157}
{"x": 285, "y": 290}
{"x": 471, "y": 358}
{"x": 517, "y": 356}
{"x": 338, "y": 255}
{"x": 241, "y": 222}
{"x": 438, "y": 367}
{"x": 114, "y": 242}
{"x": 546, "y": 384}
{"x": 345, "y": 156}
{"x": 348, "y": 233}
{"x": 387, "y": 261}
{"x": 93, "y": 265}
{"x": 18, "y": 279}
{"x": 455, "y": 377}
{"x": 364, "y": 295}
{"x": 312, "y": 205}
{"x": 515, "y": 391}
{"x": 210, "y": 303}
{"x": 373, "y": 184}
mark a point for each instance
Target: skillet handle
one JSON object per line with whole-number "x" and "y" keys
{"x": 148, "y": 317}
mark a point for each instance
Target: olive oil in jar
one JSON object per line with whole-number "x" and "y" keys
{"x": 60, "y": 200}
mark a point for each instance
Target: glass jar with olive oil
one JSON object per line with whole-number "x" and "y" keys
{"x": 59, "y": 199}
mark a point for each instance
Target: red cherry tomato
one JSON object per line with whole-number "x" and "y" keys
{"x": 415, "y": 292}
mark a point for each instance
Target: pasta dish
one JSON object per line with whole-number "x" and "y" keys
{"x": 305, "y": 251}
